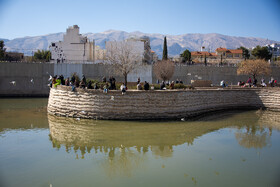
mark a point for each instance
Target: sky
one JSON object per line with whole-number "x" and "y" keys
{"x": 248, "y": 18}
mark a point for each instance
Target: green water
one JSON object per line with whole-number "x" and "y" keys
{"x": 225, "y": 149}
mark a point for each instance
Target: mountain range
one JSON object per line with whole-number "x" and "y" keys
{"x": 176, "y": 43}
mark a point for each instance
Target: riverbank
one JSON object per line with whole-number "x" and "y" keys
{"x": 157, "y": 104}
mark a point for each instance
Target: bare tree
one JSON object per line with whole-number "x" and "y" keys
{"x": 124, "y": 55}
{"x": 254, "y": 68}
{"x": 164, "y": 70}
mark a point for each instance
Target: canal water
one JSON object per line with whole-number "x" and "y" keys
{"x": 238, "y": 148}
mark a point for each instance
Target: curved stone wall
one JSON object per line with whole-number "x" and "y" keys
{"x": 156, "y": 104}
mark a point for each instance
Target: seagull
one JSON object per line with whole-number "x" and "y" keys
{"x": 13, "y": 82}
{"x": 189, "y": 74}
{"x": 50, "y": 78}
{"x": 182, "y": 119}
{"x": 83, "y": 112}
{"x": 112, "y": 98}
{"x": 199, "y": 77}
{"x": 32, "y": 81}
{"x": 78, "y": 119}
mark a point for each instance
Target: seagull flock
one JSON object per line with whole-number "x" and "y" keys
{"x": 14, "y": 83}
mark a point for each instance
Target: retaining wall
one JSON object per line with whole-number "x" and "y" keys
{"x": 156, "y": 104}
{"x": 23, "y": 73}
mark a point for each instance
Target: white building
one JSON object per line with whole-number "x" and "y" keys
{"x": 144, "y": 43}
{"x": 138, "y": 45}
{"x": 73, "y": 49}
{"x": 274, "y": 49}
{"x": 99, "y": 54}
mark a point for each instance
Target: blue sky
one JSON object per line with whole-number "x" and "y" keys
{"x": 256, "y": 18}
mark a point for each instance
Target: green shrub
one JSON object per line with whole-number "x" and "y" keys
{"x": 180, "y": 86}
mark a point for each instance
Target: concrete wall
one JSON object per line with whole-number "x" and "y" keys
{"x": 67, "y": 70}
{"x": 31, "y": 79}
{"x": 156, "y": 104}
{"x": 22, "y": 73}
{"x": 216, "y": 74}
{"x": 145, "y": 74}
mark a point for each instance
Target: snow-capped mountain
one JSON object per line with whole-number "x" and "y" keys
{"x": 176, "y": 43}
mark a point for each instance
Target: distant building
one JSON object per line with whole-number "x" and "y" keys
{"x": 99, "y": 54}
{"x": 226, "y": 55}
{"x": 141, "y": 45}
{"x": 229, "y": 53}
{"x": 154, "y": 56}
{"x": 73, "y": 49}
{"x": 144, "y": 42}
{"x": 274, "y": 49}
{"x": 202, "y": 54}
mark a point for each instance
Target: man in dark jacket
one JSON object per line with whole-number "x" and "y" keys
{"x": 146, "y": 86}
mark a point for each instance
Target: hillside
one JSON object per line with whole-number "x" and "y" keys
{"x": 176, "y": 43}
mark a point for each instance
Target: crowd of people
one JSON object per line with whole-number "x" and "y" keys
{"x": 105, "y": 85}
{"x": 75, "y": 82}
{"x": 254, "y": 83}
{"x": 162, "y": 86}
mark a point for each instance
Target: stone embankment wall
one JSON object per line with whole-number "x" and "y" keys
{"x": 156, "y": 104}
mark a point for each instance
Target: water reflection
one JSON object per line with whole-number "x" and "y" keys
{"x": 189, "y": 153}
{"x": 253, "y": 138}
{"x": 107, "y": 136}
{"x": 23, "y": 114}
{"x": 124, "y": 145}
{"x": 254, "y": 131}
{"x": 258, "y": 136}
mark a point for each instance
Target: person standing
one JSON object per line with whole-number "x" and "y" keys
{"x": 123, "y": 88}
{"x": 162, "y": 85}
{"x": 249, "y": 81}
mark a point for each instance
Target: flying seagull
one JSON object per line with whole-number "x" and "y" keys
{"x": 13, "y": 82}
{"x": 32, "y": 81}
{"x": 50, "y": 78}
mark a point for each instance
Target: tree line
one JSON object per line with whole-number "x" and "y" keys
{"x": 39, "y": 55}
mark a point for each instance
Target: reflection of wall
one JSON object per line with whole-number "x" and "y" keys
{"x": 258, "y": 136}
{"x": 269, "y": 119}
{"x": 110, "y": 136}
{"x": 125, "y": 144}
{"x": 155, "y": 104}
{"x": 253, "y": 138}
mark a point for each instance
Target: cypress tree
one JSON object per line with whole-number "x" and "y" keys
{"x": 164, "y": 53}
{"x": 2, "y": 50}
